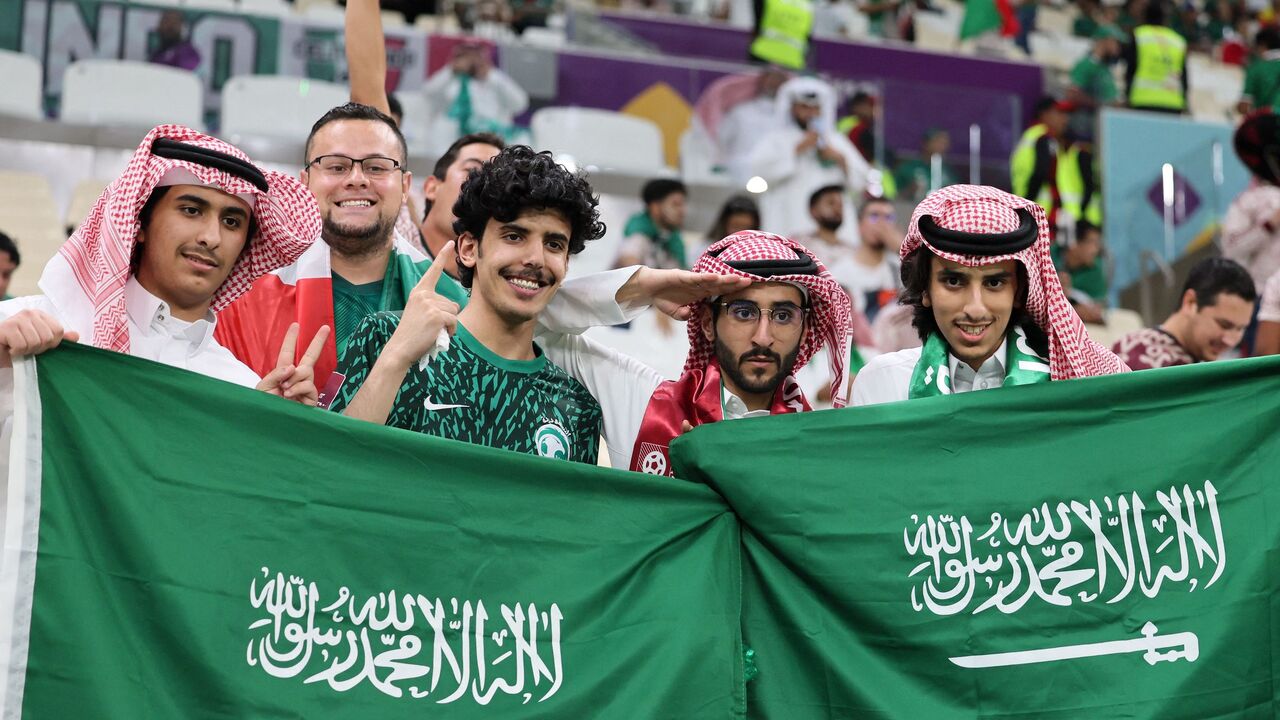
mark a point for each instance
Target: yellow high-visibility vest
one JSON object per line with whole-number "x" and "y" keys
{"x": 1157, "y": 79}
{"x": 1023, "y": 163}
{"x": 784, "y": 33}
{"x": 1071, "y": 188}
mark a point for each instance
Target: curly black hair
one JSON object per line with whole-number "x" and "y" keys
{"x": 916, "y": 271}
{"x": 519, "y": 179}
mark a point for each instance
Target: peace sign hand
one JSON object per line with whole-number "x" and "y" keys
{"x": 296, "y": 382}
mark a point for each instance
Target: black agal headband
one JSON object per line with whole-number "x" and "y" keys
{"x": 968, "y": 243}
{"x": 801, "y": 264}
{"x": 174, "y": 150}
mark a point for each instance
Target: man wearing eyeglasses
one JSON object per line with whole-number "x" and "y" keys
{"x": 872, "y": 277}
{"x": 355, "y": 167}
{"x": 744, "y": 348}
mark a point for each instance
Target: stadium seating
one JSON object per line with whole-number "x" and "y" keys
{"x": 600, "y": 138}
{"x": 276, "y": 107}
{"x": 123, "y": 92}
{"x": 22, "y": 76}
{"x": 29, "y": 215}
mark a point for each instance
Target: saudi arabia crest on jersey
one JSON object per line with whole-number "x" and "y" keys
{"x": 552, "y": 440}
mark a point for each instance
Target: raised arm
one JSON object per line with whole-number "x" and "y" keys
{"x": 366, "y": 54}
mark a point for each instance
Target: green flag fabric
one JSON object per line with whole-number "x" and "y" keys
{"x": 179, "y": 547}
{"x": 980, "y": 16}
{"x": 1100, "y": 548}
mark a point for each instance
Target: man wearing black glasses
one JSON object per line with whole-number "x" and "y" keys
{"x": 354, "y": 165}
{"x": 744, "y": 348}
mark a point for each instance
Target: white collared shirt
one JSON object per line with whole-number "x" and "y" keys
{"x": 989, "y": 375}
{"x": 887, "y": 378}
{"x": 155, "y": 334}
{"x": 735, "y": 408}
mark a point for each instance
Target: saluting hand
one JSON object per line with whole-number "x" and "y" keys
{"x": 296, "y": 382}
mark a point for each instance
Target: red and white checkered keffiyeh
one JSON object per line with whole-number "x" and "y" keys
{"x": 828, "y": 322}
{"x": 982, "y": 209}
{"x": 94, "y": 262}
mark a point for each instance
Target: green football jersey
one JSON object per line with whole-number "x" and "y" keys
{"x": 469, "y": 393}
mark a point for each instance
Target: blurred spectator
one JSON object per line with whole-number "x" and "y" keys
{"x": 1092, "y": 84}
{"x": 1080, "y": 268}
{"x": 1262, "y": 77}
{"x": 882, "y": 17}
{"x": 174, "y": 48}
{"x": 1156, "y": 65}
{"x": 747, "y": 119}
{"x": 860, "y": 124}
{"x": 737, "y": 214}
{"x": 1251, "y": 227}
{"x": 1131, "y": 15}
{"x": 914, "y": 178}
{"x": 470, "y": 95}
{"x": 1217, "y": 303}
{"x": 805, "y": 153}
{"x": 782, "y": 31}
{"x": 837, "y": 19}
{"x": 1026, "y": 14}
{"x": 9, "y": 262}
{"x": 652, "y": 236}
{"x": 1033, "y": 166}
{"x": 874, "y": 277}
{"x": 1079, "y": 197}
{"x": 826, "y": 211}
{"x": 1089, "y": 20}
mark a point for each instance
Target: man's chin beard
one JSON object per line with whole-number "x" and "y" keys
{"x": 830, "y": 225}
{"x": 351, "y": 241}
{"x": 730, "y": 367}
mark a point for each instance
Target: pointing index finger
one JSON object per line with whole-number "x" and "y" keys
{"x": 447, "y": 254}
{"x": 314, "y": 349}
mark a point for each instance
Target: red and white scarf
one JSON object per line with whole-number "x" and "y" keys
{"x": 86, "y": 279}
{"x": 987, "y": 210}
{"x": 696, "y": 396}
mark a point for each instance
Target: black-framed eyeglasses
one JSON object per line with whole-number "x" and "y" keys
{"x": 374, "y": 167}
{"x": 748, "y": 313}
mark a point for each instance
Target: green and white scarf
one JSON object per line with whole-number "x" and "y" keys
{"x": 1024, "y": 365}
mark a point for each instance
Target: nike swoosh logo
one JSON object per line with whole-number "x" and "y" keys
{"x": 430, "y": 406}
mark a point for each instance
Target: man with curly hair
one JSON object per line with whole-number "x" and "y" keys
{"x": 520, "y": 217}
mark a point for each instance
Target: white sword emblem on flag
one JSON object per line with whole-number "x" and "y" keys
{"x": 1182, "y": 646}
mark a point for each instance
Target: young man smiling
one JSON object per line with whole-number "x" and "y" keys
{"x": 520, "y": 217}
{"x": 1213, "y": 313}
{"x": 186, "y": 229}
{"x": 355, "y": 167}
{"x": 987, "y": 303}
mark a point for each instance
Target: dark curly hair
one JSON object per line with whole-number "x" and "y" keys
{"x": 916, "y": 271}
{"x": 519, "y": 179}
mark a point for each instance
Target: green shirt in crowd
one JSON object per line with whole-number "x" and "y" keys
{"x": 1094, "y": 79}
{"x": 353, "y": 303}
{"x": 1091, "y": 280}
{"x": 469, "y": 393}
{"x": 1262, "y": 81}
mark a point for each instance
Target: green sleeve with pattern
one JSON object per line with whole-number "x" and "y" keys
{"x": 362, "y": 351}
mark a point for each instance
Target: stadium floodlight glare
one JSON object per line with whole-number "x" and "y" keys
{"x": 757, "y": 185}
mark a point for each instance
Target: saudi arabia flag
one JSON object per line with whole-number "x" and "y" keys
{"x": 178, "y": 547}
